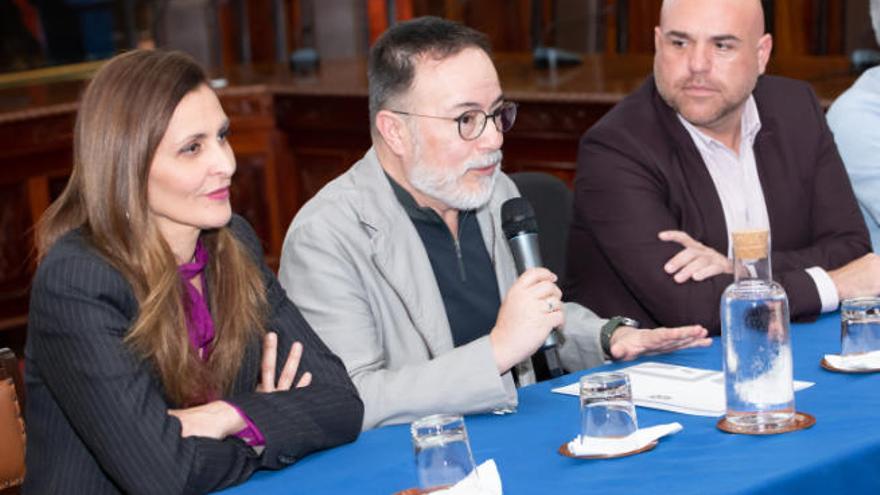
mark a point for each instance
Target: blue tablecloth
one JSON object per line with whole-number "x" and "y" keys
{"x": 840, "y": 454}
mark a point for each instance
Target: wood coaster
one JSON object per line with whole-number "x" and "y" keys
{"x": 830, "y": 367}
{"x": 420, "y": 491}
{"x": 801, "y": 421}
{"x": 567, "y": 453}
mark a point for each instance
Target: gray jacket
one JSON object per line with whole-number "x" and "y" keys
{"x": 356, "y": 267}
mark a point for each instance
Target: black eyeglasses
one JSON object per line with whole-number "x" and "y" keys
{"x": 472, "y": 123}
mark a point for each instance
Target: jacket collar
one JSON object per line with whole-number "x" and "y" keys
{"x": 399, "y": 255}
{"x": 401, "y": 258}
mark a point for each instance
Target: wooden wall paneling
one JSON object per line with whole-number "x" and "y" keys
{"x": 37, "y": 145}
{"x": 325, "y": 135}
{"x": 32, "y": 150}
{"x": 452, "y": 9}
{"x": 830, "y": 37}
{"x": 295, "y": 20}
{"x": 507, "y": 23}
{"x": 254, "y": 141}
{"x": 248, "y": 189}
{"x": 858, "y": 32}
{"x": 546, "y": 134}
{"x": 579, "y": 25}
{"x": 38, "y": 195}
{"x": 15, "y": 254}
{"x": 378, "y": 15}
{"x": 56, "y": 185}
{"x": 262, "y": 30}
{"x": 643, "y": 16}
{"x": 377, "y": 19}
{"x": 790, "y": 27}
{"x": 229, "y": 35}
{"x": 317, "y": 166}
{"x": 341, "y": 29}
{"x": 611, "y": 26}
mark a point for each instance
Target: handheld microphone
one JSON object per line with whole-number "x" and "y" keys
{"x": 521, "y": 229}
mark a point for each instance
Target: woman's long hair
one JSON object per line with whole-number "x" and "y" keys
{"x": 122, "y": 117}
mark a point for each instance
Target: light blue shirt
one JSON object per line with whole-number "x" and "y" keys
{"x": 855, "y": 120}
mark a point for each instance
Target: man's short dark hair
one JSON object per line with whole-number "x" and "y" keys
{"x": 391, "y": 68}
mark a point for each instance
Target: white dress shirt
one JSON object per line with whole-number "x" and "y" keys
{"x": 735, "y": 176}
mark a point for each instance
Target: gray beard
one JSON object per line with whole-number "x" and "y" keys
{"x": 444, "y": 185}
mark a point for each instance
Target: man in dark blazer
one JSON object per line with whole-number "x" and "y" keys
{"x": 708, "y": 145}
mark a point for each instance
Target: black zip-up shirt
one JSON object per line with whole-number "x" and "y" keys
{"x": 463, "y": 268}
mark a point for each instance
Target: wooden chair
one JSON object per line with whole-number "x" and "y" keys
{"x": 12, "y": 429}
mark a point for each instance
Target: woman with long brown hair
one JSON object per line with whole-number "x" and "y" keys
{"x": 162, "y": 354}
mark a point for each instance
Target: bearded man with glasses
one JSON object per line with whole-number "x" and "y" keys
{"x": 400, "y": 263}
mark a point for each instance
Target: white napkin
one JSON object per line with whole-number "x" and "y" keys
{"x": 488, "y": 483}
{"x": 613, "y": 446}
{"x": 855, "y": 362}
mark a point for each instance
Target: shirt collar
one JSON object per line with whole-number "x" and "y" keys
{"x": 412, "y": 209}
{"x": 197, "y": 265}
{"x": 750, "y": 124}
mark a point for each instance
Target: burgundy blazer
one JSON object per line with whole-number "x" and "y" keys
{"x": 640, "y": 173}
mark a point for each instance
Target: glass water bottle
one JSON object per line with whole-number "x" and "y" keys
{"x": 758, "y": 381}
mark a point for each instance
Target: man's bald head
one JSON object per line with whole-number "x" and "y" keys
{"x": 709, "y": 54}
{"x": 750, "y": 11}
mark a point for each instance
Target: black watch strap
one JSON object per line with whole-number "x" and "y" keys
{"x": 610, "y": 327}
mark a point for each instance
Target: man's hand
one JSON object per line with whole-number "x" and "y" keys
{"x": 530, "y": 310}
{"x": 696, "y": 261}
{"x": 628, "y": 343}
{"x": 860, "y": 277}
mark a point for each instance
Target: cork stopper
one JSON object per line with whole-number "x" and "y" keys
{"x": 750, "y": 244}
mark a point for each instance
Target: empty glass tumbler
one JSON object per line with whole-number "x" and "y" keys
{"x": 859, "y": 325}
{"x": 607, "y": 409}
{"x": 442, "y": 450}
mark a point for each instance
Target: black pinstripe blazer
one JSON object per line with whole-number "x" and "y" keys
{"x": 97, "y": 416}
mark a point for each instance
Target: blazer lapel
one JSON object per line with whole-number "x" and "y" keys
{"x": 767, "y": 152}
{"x": 711, "y": 227}
{"x": 496, "y": 245}
{"x": 400, "y": 256}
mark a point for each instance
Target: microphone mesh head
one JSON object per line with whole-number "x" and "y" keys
{"x": 517, "y": 217}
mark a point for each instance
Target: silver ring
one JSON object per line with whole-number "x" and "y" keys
{"x": 550, "y": 305}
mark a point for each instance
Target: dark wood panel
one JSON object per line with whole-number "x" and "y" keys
{"x": 317, "y": 113}
{"x": 15, "y": 223}
{"x": 42, "y": 143}
{"x": 318, "y": 166}
{"x": 56, "y": 186}
{"x": 643, "y": 15}
{"x": 16, "y": 261}
{"x": 248, "y": 190}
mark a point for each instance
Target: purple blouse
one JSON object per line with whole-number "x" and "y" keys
{"x": 200, "y": 327}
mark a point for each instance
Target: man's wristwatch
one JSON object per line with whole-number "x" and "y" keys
{"x": 610, "y": 327}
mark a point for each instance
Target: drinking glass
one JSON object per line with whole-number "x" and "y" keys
{"x": 607, "y": 409}
{"x": 442, "y": 451}
{"x": 859, "y": 325}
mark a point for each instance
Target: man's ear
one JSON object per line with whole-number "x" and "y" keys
{"x": 393, "y": 130}
{"x": 765, "y": 47}
{"x": 658, "y": 39}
